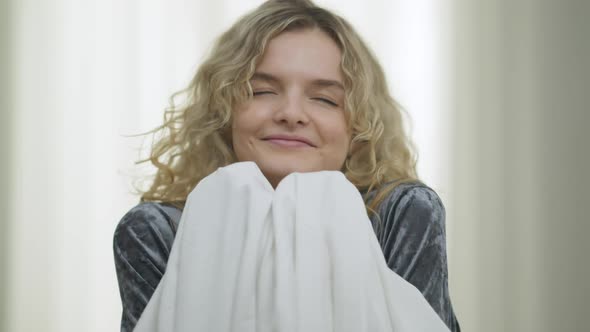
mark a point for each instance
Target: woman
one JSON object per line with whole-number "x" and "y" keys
{"x": 292, "y": 88}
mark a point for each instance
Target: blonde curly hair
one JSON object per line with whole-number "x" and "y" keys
{"x": 195, "y": 138}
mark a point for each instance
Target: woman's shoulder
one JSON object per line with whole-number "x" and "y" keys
{"x": 411, "y": 205}
{"x": 150, "y": 217}
{"x": 412, "y": 193}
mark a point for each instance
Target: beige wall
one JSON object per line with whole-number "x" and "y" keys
{"x": 521, "y": 182}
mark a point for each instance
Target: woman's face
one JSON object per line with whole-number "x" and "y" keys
{"x": 296, "y": 120}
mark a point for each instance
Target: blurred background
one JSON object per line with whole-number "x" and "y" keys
{"x": 498, "y": 92}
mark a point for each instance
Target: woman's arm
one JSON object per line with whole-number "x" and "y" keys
{"x": 142, "y": 242}
{"x": 412, "y": 237}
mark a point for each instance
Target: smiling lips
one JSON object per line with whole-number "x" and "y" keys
{"x": 289, "y": 141}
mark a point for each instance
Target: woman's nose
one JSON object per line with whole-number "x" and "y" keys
{"x": 291, "y": 111}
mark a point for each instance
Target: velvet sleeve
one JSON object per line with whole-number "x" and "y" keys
{"x": 412, "y": 236}
{"x": 142, "y": 243}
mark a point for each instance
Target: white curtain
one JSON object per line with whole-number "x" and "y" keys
{"x": 498, "y": 94}
{"x": 82, "y": 74}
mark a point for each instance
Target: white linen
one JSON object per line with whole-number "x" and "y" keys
{"x": 303, "y": 257}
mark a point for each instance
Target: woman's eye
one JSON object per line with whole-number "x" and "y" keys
{"x": 258, "y": 93}
{"x": 327, "y": 101}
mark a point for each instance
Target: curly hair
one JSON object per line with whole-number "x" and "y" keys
{"x": 195, "y": 138}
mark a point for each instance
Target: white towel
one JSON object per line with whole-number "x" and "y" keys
{"x": 301, "y": 258}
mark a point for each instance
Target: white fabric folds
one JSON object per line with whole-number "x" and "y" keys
{"x": 301, "y": 258}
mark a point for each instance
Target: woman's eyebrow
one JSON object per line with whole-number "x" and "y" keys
{"x": 261, "y": 76}
{"x": 328, "y": 84}
{"x": 321, "y": 83}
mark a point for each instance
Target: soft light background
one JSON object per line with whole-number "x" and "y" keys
{"x": 498, "y": 92}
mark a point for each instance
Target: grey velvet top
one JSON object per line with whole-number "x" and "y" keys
{"x": 411, "y": 234}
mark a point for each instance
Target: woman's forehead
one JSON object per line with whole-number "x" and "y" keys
{"x": 307, "y": 54}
